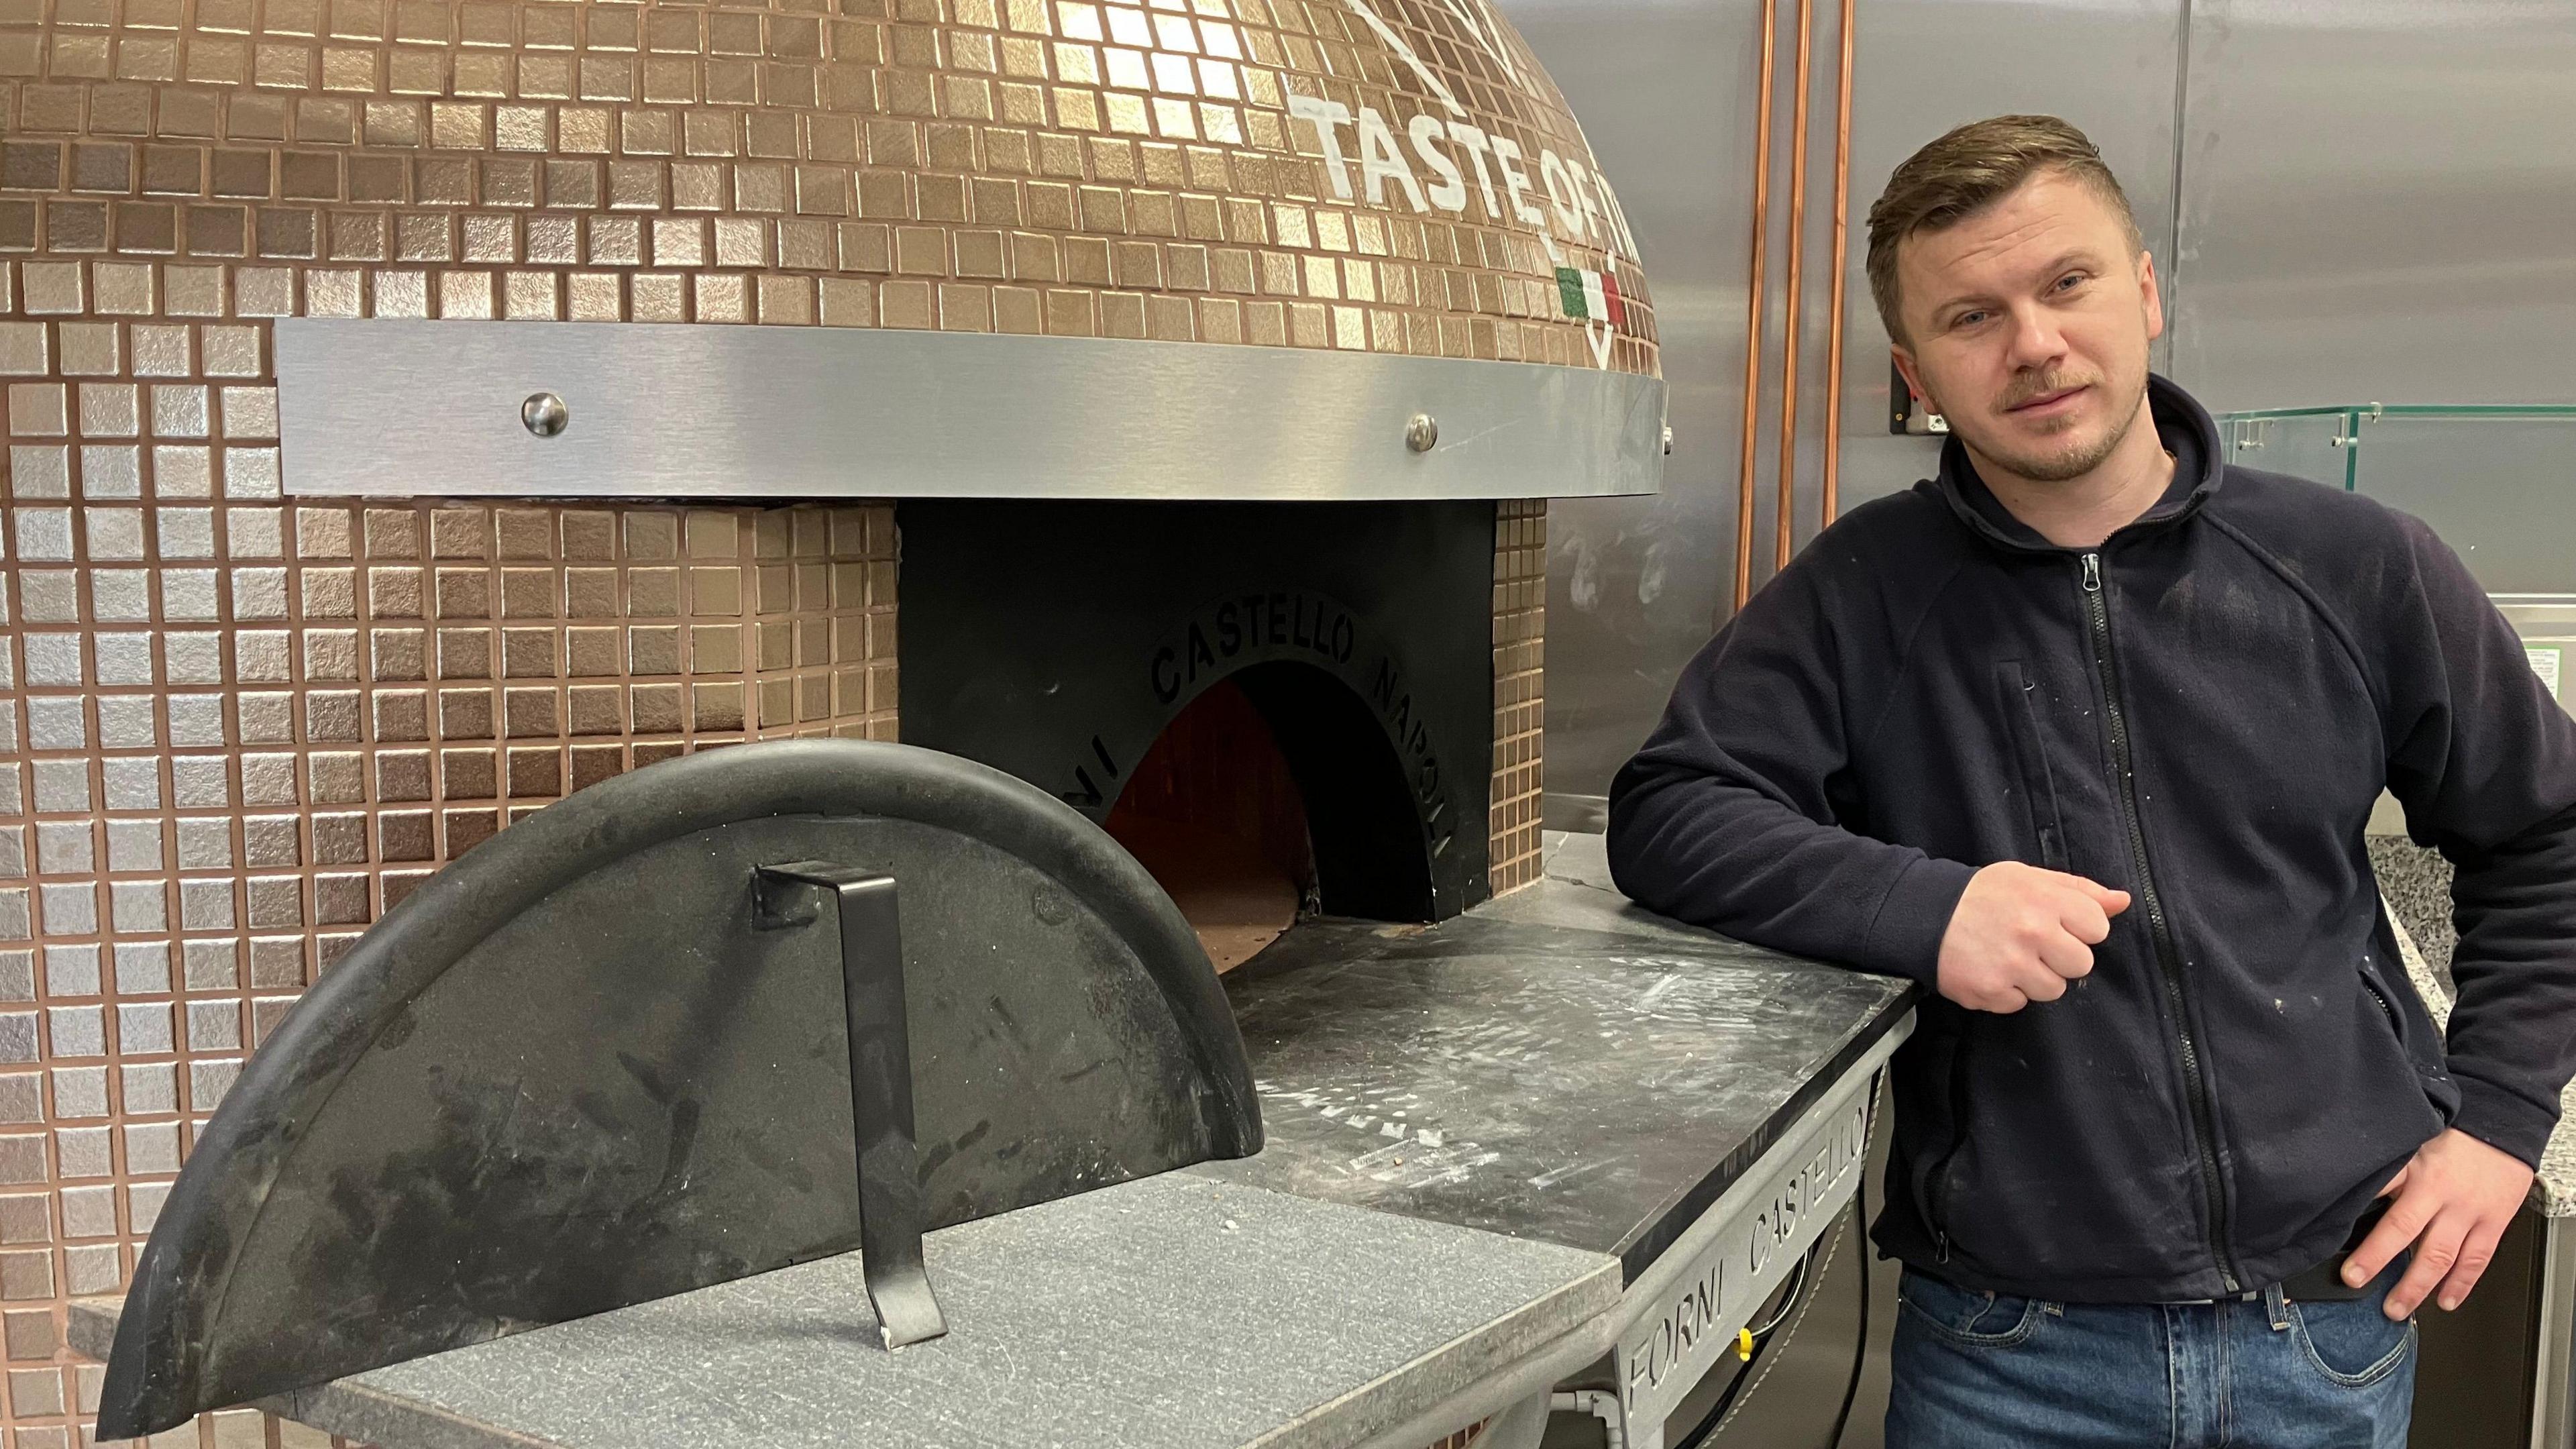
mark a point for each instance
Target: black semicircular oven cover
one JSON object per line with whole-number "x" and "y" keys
{"x": 569, "y": 1073}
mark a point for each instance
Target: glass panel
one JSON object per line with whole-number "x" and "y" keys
{"x": 2301, "y": 444}
{"x": 2501, "y": 490}
{"x": 2497, "y": 483}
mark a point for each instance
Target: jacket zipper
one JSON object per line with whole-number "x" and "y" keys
{"x": 2387, "y": 1008}
{"x": 2159, "y": 929}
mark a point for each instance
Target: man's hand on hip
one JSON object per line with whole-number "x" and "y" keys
{"x": 2454, "y": 1200}
{"x": 2019, "y": 934}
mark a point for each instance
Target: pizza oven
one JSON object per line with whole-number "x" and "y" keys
{"x": 421, "y": 412}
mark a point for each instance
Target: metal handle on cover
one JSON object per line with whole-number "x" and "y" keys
{"x": 890, "y": 1210}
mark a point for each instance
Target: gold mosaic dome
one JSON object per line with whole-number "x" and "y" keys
{"x": 1385, "y": 175}
{"x": 244, "y": 711}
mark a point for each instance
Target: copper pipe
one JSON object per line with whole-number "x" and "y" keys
{"x": 1753, "y": 317}
{"x": 1831, "y": 501}
{"x": 1787, "y": 508}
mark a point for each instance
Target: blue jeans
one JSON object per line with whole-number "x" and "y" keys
{"x": 1979, "y": 1370}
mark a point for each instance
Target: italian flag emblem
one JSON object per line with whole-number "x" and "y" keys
{"x": 1590, "y": 296}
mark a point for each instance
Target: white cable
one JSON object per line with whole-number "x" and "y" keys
{"x": 1771, "y": 1356}
{"x": 1601, "y": 1404}
{"x": 1795, "y": 1298}
{"x": 1869, "y": 1143}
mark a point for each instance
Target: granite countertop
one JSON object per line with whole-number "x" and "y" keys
{"x": 1168, "y": 1311}
{"x": 2415, "y": 881}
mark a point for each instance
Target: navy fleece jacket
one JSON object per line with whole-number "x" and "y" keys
{"x": 2201, "y": 712}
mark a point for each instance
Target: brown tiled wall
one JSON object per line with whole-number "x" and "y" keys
{"x": 1520, "y": 706}
{"x": 235, "y": 728}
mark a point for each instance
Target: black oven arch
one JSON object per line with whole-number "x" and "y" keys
{"x": 1058, "y": 640}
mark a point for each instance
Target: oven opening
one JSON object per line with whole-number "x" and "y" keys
{"x": 1213, "y": 812}
{"x": 1274, "y": 794}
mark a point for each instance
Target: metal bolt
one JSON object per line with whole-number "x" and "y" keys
{"x": 1421, "y": 433}
{"x": 545, "y": 414}
{"x": 1668, "y": 439}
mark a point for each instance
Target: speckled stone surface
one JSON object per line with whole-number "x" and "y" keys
{"x": 2416, "y": 884}
{"x": 1173, "y": 1311}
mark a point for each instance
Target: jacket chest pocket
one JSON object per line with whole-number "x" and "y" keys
{"x": 2015, "y": 695}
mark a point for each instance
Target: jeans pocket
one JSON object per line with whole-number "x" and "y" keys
{"x": 2352, "y": 1343}
{"x": 1966, "y": 1317}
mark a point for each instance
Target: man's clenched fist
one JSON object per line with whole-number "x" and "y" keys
{"x": 2021, "y": 933}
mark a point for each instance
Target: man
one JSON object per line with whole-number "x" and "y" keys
{"x": 2082, "y": 735}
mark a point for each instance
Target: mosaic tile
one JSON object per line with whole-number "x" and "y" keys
{"x": 258, "y": 788}
{"x": 235, "y": 728}
{"x": 1520, "y": 615}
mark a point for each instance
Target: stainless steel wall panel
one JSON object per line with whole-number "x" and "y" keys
{"x": 1927, "y": 65}
{"x": 1664, "y": 90}
{"x": 2379, "y": 203}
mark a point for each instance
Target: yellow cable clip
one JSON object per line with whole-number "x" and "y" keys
{"x": 1744, "y": 1344}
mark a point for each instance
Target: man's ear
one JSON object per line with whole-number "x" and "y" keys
{"x": 2152, "y": 295}
{"x": 1913, "y": 379}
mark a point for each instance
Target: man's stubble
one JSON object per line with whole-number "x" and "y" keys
{"x": 2074, "y": 462}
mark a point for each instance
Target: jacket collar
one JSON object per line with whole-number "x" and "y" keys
{"x": 2188, "y": 431}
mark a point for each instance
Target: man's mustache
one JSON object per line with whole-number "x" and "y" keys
{"x": 2046, "y": 383}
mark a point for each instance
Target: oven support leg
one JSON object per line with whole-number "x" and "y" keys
{"x": 2555, "y": 1335}
{"x": 890, "y": 1211}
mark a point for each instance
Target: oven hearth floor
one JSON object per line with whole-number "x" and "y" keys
{"x": 1555, "y": 1065}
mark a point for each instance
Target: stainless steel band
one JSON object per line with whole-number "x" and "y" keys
{"x": 553, "y": 409}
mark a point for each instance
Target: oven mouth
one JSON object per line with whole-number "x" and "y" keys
{"x": 1271, "y": 796}
{"x": 1214, "y": 814}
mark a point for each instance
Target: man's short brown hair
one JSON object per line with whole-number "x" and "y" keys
{"x": 1966, "y": 171}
